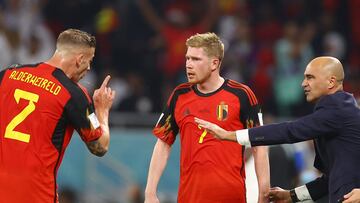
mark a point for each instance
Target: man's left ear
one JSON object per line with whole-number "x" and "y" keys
{"x": 215, "y": 64}
{"x": 79, "y": 59}
{"x": 332, "y": 82}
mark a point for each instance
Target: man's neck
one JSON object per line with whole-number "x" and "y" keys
{"x": 210, "y": 85}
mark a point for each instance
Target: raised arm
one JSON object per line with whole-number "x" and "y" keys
{"x": 158, "y": 163}
{"x": 150, "y": 15}
{"x": 211, "y": 15}
{"x": 103, "y": 99}
{"x": 313, "y": 190}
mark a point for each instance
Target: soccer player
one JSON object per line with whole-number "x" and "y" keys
{"x": 334, "y": 126}
{"x": 210, "y": 170}
{"x": 40, "y": 106}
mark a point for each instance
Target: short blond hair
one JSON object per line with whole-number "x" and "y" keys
{"x": 210, "y": 42}
{"x": 74, "y": 37}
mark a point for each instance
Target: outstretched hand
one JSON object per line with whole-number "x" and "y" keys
{"x": 279, "y": 195}
{"x": 104, "y": 96}
{"x": 214, "y": 129}
{"x": 352, "y": 197}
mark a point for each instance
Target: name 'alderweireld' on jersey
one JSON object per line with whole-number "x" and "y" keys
{"x": 29, "y": 78}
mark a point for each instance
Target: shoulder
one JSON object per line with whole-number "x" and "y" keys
{"x": 237, "y": 85}
{"x": 180, "y": 89}
{"x": 241, "y": 90}
{"x": 76, "y": 90}
{"x": 16, "y": 68}
{"x": 337, "y": 100}
{"x": 21, "y": 66}
{"x": 84, "y": 92}
{"x": 183, "y": 88}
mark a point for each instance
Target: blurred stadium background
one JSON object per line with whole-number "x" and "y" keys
{"x": 141, "y": 44}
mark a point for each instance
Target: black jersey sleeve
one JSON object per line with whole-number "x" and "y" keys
{"x": 81, "y": 113}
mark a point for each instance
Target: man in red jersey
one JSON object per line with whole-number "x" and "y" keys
{"x": 40, "y": 106}
{"x": 210, "y": 170}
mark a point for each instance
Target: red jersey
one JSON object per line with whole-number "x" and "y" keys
{"x": 39, "y": 109}
{"x": 210, "y": 170}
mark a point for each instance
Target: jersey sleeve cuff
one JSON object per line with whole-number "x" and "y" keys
{"x": 242, "y": 137}
{"x": 302, "y": 193}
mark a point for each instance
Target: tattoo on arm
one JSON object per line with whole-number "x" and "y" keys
{"x": 96, "y": 148}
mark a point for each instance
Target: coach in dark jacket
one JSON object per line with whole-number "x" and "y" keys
{"x": 334, "y": 126}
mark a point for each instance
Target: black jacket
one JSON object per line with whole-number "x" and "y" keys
{"x": 335, "y": 128}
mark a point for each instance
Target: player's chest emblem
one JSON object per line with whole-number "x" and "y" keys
{"x": 222, "y": 111}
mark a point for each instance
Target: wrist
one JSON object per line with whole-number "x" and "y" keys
{"x": 302, "y": 193}
{"x": 293, "y": 196}
{"x": 231, "y": 135}
{"x": 149, "y": 193}
{"x": 264, "y": 190}
{"x": 242, "y": 137}
{"x": 103, "y": 117}
{"x": 102, "y": 114}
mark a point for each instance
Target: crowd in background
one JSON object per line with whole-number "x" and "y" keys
{"x": 141, "y": 43}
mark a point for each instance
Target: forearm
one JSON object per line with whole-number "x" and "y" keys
{"x": 262, "y": 169}
{"x": 211, "y": 14}
{"x": 299, "y": 194}
{"x": 150, "y": 15}
{"x": 318, "y": 187}
{"x": 103, "y": 116}
{"x": 100, "y": 146}
{"x": 103, "y": 99}
{"x": 157, "y": 165}
{"x": 104, "y": 140}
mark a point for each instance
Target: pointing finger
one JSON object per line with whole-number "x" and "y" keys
{"x": 105, "y": 82}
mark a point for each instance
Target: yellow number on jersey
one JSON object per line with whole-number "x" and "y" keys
{"x": 203, "y": 134}
{"x": 10, "y": 133}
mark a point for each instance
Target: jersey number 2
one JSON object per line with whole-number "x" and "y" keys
{"x": 10, "y": 133}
